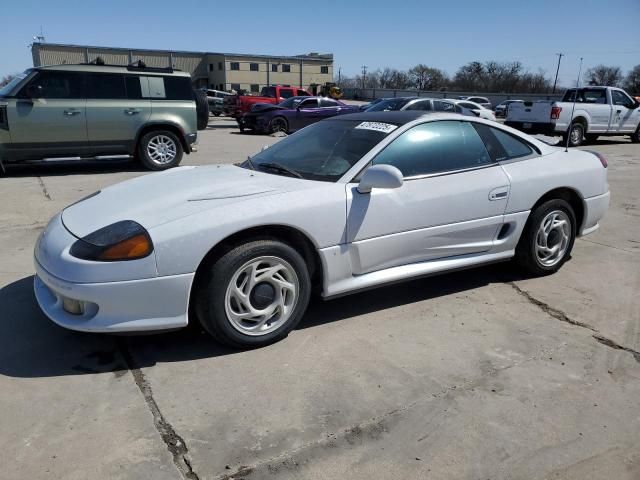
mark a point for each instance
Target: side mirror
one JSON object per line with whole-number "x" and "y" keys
{"x": 380, "y": 176}
{"x": 34, "y": 91}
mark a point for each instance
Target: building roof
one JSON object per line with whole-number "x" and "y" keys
{"x": 307, "y": 56}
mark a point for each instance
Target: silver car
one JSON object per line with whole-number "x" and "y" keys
{"x": 349, "y": 203}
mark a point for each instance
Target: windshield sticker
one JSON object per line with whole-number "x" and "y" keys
{"x": 377, "y": 126}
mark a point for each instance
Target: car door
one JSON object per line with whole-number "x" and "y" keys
{"x": 625, "y": 115}
{"x": 116, "y": 110}
{"x": 49, "y": 117}
{"x": 307, "y": 112}
{"x": 451, "y": 203}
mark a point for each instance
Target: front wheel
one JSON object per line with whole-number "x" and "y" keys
{"x": 254, "y": 295}
{"x": 160, "y": 150}
{"x": 635, "y": 137}
{"x": 279, "y": 124}
{"x": 548, "y": 238}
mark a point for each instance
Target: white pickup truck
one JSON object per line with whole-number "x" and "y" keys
{"x": 598, "y": 111}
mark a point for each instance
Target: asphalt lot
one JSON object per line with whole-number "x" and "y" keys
{"x": 474, "y": 375}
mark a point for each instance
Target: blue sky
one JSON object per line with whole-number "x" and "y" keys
{"x": 399, "y": 34}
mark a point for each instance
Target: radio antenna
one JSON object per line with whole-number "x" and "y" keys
{"x": 573, "y": 108}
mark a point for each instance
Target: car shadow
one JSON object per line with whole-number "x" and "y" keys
{"x": 31, "y": 346}
{"x": 75, "y": 168}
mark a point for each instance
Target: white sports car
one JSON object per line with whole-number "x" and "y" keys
{"x": 349, "y": 203}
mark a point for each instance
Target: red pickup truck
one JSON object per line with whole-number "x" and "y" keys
{"x": 236, "y": 105}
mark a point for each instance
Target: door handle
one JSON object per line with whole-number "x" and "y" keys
{"x": 131, "y": 111}
{"x": 71, "y": 113}
{"x": 499, "y": 193}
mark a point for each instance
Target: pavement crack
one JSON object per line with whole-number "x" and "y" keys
{"x": 551, "y": 311}
{"x": 608, "y": 246}
{"x": 174, "y": 442}
{"x": 563, "y": 317}
{"x": 45, "y": 192}
{"x": 615, "y": 345}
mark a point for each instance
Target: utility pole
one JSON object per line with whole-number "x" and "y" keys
{"x": 560, "y": 55}
{"x": 339, "y": 74}
{"x": 364, "y": 75}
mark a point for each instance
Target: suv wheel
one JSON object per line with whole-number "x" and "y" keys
{"x": 160, "y": 149}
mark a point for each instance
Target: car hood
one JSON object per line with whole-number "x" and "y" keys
{"x": 265, "y": 107}
{"x": 158, "y": 198}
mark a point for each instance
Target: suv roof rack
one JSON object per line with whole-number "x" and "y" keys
{"x": 138, "y": 65}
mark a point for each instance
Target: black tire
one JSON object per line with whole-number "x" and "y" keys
{"x": 591, "y": 137}
{"x": 202, "y": 109}
{"x": 526, "y": 250}
{"x": 216, "y": 114}
{"x": 144, "y": 150}
{"x": 575, "y": 135}
{"x": 278, "y": 124}
{"x": 211, "y": 294}
{"x": 635, "y": 137}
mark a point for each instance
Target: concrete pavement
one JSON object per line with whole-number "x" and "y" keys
{"x": 477, "y": 374}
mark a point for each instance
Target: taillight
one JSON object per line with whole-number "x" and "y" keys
{"x": 555, "y": 112}
{"x": 603, "y": 160}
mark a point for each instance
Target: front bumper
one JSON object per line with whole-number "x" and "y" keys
{"x": 192, "y": 142}
{"x": 158, "y": 303}
{"x": 252, "y": 122}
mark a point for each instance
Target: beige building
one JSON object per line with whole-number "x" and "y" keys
{"x": 220, "y": 71}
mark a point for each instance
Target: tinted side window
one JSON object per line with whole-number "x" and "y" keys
{"x": 440, "y": 106}
{"x": 105, "y": 86}
{"x": 178, "y": 88}
{"x": 435, "y": 147}
{"x": 284, "y": 93}
{"x": 501, "y": 145}
{"x": 325, "y": 102}
{"x": 134, "y": 87}
{"x": 58, "y": 84}
{"x": 311, "y": 103}
{"x": 423, "y": 105}
{"x": 302, "y": 93}
{"x": 619, "y": 98}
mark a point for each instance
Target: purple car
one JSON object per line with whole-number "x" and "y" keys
{"x": 292, "y": 114}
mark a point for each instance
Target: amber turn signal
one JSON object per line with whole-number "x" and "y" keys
{"x": 130, "y": 249}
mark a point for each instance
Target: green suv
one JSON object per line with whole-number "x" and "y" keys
{"x": 94, "y": 111}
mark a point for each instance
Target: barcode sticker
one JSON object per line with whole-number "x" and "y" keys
{"x": 377, "y": 126}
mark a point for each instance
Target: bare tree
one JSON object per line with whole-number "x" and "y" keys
{"x": 603, "y": 75}
{"x": 632, "y": 81}
{"x": 392, "y": 78}
{"x": 6, "y": 79}
{"x": 427, "y": 78}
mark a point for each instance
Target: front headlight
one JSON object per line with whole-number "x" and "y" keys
{"x": 125, "y": 240}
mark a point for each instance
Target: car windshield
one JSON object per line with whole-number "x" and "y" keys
{"x": 323, "y": 151}
{"x": 6, "y": 90}
{"x": 291, "y": 102}
{"x": 388, "y": 105}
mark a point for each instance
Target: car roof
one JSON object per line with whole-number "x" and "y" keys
{"x": 397, "y": 118}
{"x": 85, "y": 67}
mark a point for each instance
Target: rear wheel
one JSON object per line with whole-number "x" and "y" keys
{"x": 575, "y": 135}
{"x": 160, "y": 150}
{"x": 548, "y": 238}
{"x": 254, "y": 295}
{"x": 202, "y": 109}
